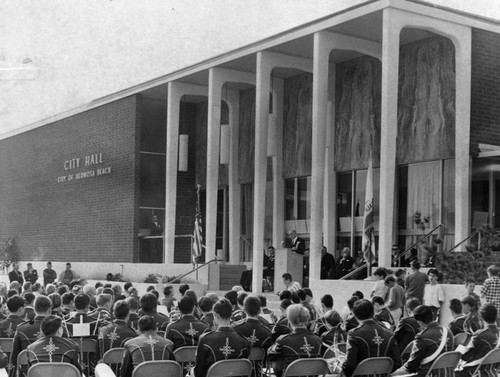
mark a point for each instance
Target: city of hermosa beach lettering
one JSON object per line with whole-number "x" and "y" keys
{"x": 87, "y": 161}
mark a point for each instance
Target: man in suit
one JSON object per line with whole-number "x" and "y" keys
{"x": 294, "y": 243}
{"x": 432, "y": 341}
{"x": 156, "y": 243}
{"x": 31, "y": 275}
{"x": 16, "y": 275}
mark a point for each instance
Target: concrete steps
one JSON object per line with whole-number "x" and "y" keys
{"x": 230, "y": 275}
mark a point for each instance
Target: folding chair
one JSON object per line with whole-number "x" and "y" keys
{"x": 186, "y": 356}
{"x": 307, "y": 367}
{"x": 488, "y": 363}
{"x": 158, "y": 368}
{"x": 226, "y": 368}
{"x": 88, "y": 354}
{"x": 460, "y": 338}
{"x": 53, "y": 369}
{"x": 374, "y": 366}
{"x": 22, "y": 363}
{"x": 6, "y": 344}
{"x": 103, "y": 370}
{"x": 405, "y": 355}
{"x": 447, "y": 360}
{"x": 257, "y": 356}
{"x": 113, "y": 358}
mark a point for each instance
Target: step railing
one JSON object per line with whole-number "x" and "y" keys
{"x": 473, "y": 234}
{"x": 195, "y": 269}
{"x": 408, "y": 249}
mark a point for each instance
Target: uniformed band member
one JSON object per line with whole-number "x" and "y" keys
{"x": 281, "y": 327}
{"x": 52, "y": 347}
{"x": 187, "y": 330}
{"x": 82, "y": 303}
{"x": 251, "y": 328}
{"x": 369, "y": 339}
{"x": 432, "y": 341}
{"x": 408, "y": 327}
{"x": 382, "y": 314}
{"x": 222, "y": 344}
{"x": 206, "y": 305}
{"x": 115, "y": 334}
{"x": 333, "y": 333}
{"x": 8, "y": 326}
{"x": 133, "y": 317}
{"x": 148, "y": 346}
{"x": 149, "y": 303}
{"x": 104, "y": 302}
{"x": 472, "y": 321}
{"x": 299, "y": 344}
{"x": 482, "y": 342}
{"x": 29, "y": 332}
{"x": 457, "y": 324}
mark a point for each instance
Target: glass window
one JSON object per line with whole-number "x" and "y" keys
{"x": 152, "y": 184}
{"x": 298, "y": 198}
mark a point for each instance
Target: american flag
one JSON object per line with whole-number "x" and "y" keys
{"x": 198, "y": 246}
{"x": 368, "y": 220}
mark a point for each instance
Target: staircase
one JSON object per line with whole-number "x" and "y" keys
{"x": 230, "y": 275}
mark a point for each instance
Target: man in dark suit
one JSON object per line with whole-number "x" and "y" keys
{"x": 16, "y": 275}
{"x": 156, "y": 243}
{"x": 294, "y": 243}
{"x": 31, "y": 275}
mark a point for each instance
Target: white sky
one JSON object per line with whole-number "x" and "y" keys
{"x": 86, "y": 49}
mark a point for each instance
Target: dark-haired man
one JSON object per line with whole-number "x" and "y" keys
{"x": 281, "y": 327}
{"x": 82, "y": 303}
{"x": 49, "y": 275}
{"x": 30, "y": 274}
{"x": 115, "y": 334}
{"x": 68, "y": 275}
{"x": 52, "y": 347}
{"x": 16, "y": 275}
{"x": 251, "y": 328}
{"x": 145, "y": 347}
{"x": 290, "y": 285}
{"x": 382, "y": 314}
{"x": 29, "y": 310}
{"x": 187, "y": 330}
{"x": 415, "y": 282}
{"x": 369, "y": 339}
{"x": 408, "y": 327}
{"x": 206, "y": 305}
{"x": 149, "y": 303}
{"x": 457, "y": 324}
{"x": 8, "y": 326}
{"x": 431, "y": 342}
{"x": 222, "y": 344}
{"x": 482, "y": 342}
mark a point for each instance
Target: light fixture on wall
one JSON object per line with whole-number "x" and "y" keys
{"x": 225, "y": 132}
{"x": 183, "y": 152}
{"x": 272, "y": 127}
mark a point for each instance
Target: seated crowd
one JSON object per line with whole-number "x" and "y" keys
{"x": 51, "y": 322}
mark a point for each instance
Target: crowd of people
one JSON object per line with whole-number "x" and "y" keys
{"x": 398, "y": 320}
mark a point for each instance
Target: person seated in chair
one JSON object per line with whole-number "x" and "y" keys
{"x": 251, "y": 328}
{"x": 407, "y": 327}
{"x": 115, "y": 334}
{"x": 457, "y": 324}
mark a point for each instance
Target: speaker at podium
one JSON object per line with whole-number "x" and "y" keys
{"x": 285, "y": 260}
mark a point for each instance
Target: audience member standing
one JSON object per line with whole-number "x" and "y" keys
{"x": 30, "y": 275}
{"x": 49, "y": 275}
{"x": 415, "y": 282}
{"x": 327, "y": 264}
{"x": 490, "y": 291}
{"x": 396, "y": 298}
{"x": 15, "y": 274}
{"x": 434, "y": 293}
{"x": 68, "y": 275}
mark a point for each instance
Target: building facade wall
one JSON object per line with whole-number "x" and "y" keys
{"x": 69, "y": 189}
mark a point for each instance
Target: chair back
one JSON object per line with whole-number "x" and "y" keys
{"x": 53, "y": 369}
{"x": 257, "y": 356}
{"x": 236, "y": 367}
{"x": 447, "y": 360}
{"x": 22, "y": 363}
{"x": 405, "y": 355}
{"x": 186, "y": 356}
{"x": 113, "y": 358}
{"x": 158, "y": 368}
{"x": 460, "y": 338}
{"x": 491, "y": 359}
{"x": 374, "y": 366}
{"x": 6, "y": 344}
{"x": 88, "y": 353}
{"x": 307, "y": 367}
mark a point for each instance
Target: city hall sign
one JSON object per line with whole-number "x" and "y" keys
{"x": 91, "y": 164}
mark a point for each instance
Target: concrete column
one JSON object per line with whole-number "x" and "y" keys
{"x": 263, "y": 83}
{"x": 278, "y": 181}
{"x": 319, "y": 116}
{"x": 389, "y": 131}
{"x": 330, "y": 196}
{"x": 462, "y": 134}
{"x": 213, "y": 142}
{"x": 173, "y": 104}
{"x": 233, "y": 99}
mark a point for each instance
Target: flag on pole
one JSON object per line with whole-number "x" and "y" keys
{"x": 368, "y": 219}
{"x": 198, "y": 246}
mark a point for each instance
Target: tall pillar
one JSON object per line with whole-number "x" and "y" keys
{"x": 263, "y": 83}
{"x": 319, "y": 116}
{"x": 462, "y": 134}
{"x": 330, "y": 196}
{"x": 213, "y": 142}
{"x": 173, "y": 104}
{"x": 278, "y": 181}
{"x": 234, "y": 186}
{"x": 389, "y": 130}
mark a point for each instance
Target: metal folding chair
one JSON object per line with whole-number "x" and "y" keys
{"x": 186, "y": 356}
{"x": 374, "y": 366}
{"x": 460, "y": 338}
{"x": 113, "y": 358}
{"x": 226, "y": 368}
{"x": 488, "y": 364}
{"x": 158, "y": 368}
{"x": 445, "y": 361}
{"x": 53, "y": 369}
{"x": 307, "y": 367}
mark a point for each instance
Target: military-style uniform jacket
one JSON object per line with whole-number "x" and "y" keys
{"x": 255, "y": 332}
{"x": 84, "y": 318}
{"x": 29, "y": 313}
{"x": 299, "y": 344}
{"x": 210, "y": 321}
{"x": 26, "y": 333}
{"x": 8, "y": 326}
{"x": 335, "y": 334}
{"x": 472, "y": 322}
{"x": 370, "y": 339}
{"x": 350, "y": 323}
{"x": 160, "y": 319}
{"x": 145, "y": 348}
{"x": 406, "y": 330}
{"x": 222, "y": 344}
{"x": 482, "y": 342}
{"x": 132, "y": 320}
{"x": 186, "y": 331}
{"x": 457, "y": 324}
{"x": 54, "y": 349}
{"x": 114, "y": 335}
{"x": 385, "y": 315}
{"x": 426, "y": 343}
{"x": 280, "y": 328}
{"x": 101, "y": 314}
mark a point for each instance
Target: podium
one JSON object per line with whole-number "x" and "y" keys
{"x": 286, "y": 260}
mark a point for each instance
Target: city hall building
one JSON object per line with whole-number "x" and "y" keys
{"x": 277, "y": 135}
